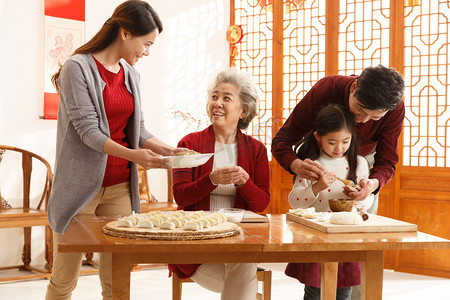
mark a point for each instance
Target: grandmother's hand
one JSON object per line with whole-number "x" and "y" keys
{"x": 244, "y": 177}
{"x": 228, "y": 175}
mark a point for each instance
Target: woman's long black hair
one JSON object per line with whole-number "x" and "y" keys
{"x": 331, "y": 118}
{"x": 135, "y": 16}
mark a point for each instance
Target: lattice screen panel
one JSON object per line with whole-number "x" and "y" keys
{"x": 304, "y": 49}
{"x": 363, "y": 35}
{"x": 255, "y": 57}
{"x": 427, "y": 65}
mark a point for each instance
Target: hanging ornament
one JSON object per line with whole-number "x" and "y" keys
{"x": 234, "y": 36}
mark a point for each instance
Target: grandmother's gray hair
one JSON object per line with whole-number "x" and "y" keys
{"x": 247, "y": 92}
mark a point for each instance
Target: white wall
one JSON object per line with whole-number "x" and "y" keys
{"x": 185, "y": 57}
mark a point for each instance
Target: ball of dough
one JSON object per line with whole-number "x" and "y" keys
{"x": 346, "y": 218}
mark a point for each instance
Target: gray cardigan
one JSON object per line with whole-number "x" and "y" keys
{"x": 81, "y": 134}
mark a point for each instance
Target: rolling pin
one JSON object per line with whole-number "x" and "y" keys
{"x": 363, "y": 213}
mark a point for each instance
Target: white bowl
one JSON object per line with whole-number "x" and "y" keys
{"x": 234, "y": 215}
{"x": 188, "y": 161}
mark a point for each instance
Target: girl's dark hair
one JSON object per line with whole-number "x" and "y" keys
{"x": 135, "y": 16}
{"x": 331, "y": 118}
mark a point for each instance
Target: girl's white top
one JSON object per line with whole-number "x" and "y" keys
{"x": 302, "y": 195}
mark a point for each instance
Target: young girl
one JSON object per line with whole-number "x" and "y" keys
{"x": 333, "y": 145}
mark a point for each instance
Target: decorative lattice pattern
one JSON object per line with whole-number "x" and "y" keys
{"x": 364, "y": 40}
{"x": 255, "y": 57}
{"x": 363, "y": 35}
{"x": 303, "y": 50}
{"x": 427, "y": 65}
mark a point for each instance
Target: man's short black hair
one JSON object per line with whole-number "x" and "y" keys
{"x": 379, "y": 88}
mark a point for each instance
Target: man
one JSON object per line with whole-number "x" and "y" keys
{"x": 375, "y": 100}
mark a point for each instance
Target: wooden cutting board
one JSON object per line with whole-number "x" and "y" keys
{"x": 375, "y": 223}
{"x": 251, "y": 217}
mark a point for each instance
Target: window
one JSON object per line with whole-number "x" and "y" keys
{"x": 288, "y": 46}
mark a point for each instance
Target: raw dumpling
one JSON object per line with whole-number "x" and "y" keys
{"x": 124, "y": 223}
{"x": 167, "y": 225}
{"x": 191, "y": 226}
{"x": 155, "y": 220}
{"x": 145, "y": 224}
{"x": 176, "y": 222}
{"x": 221, "y": 215}
{"x": 206, "y": 222}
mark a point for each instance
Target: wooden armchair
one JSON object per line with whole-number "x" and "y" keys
{"x": 150, "y": 203}
{"x": 29, "y": 215}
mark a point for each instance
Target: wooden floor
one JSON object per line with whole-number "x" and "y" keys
{"x": 155, "y": 282}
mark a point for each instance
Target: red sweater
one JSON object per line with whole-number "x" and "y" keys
{"x": 381, "y": 135}
{"x": 119, "y": 107}
{"x": 192, "y": 187}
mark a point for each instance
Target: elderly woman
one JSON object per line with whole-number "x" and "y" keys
{"x": 236, "y": 176}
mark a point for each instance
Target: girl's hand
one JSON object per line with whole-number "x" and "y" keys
{"x": 148, "y": 159}
{"x": 324, "y": 181}
{"x": 227, "y": 175}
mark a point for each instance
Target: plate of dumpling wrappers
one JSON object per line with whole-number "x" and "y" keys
{"x": 176, "y": 225}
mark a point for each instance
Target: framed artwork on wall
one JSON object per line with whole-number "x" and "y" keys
{"x": 64, "y": 32}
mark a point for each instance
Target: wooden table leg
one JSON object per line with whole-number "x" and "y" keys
{"x": 372, "y": 276}
{"x": 328, "y": 280}
{"x": 121, "y": 268}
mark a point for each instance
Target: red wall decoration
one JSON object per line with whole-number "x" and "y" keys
{"x": 65, "y": 31}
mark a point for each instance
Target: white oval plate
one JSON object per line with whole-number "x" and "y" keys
{"x": 188, "y": 161}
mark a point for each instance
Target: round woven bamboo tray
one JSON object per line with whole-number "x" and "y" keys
{"x": 222, "y": 230}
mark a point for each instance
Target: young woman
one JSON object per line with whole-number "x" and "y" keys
{"x": 332, "y": 144}
{"x": 236, "y": 176}
{"x": 101, "y": 135}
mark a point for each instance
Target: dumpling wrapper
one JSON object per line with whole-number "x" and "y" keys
{"x": 310, "y": 215}
{"x": 302, "y": 211}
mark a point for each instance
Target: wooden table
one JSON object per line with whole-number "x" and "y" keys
{"x": 276, "y": 241}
